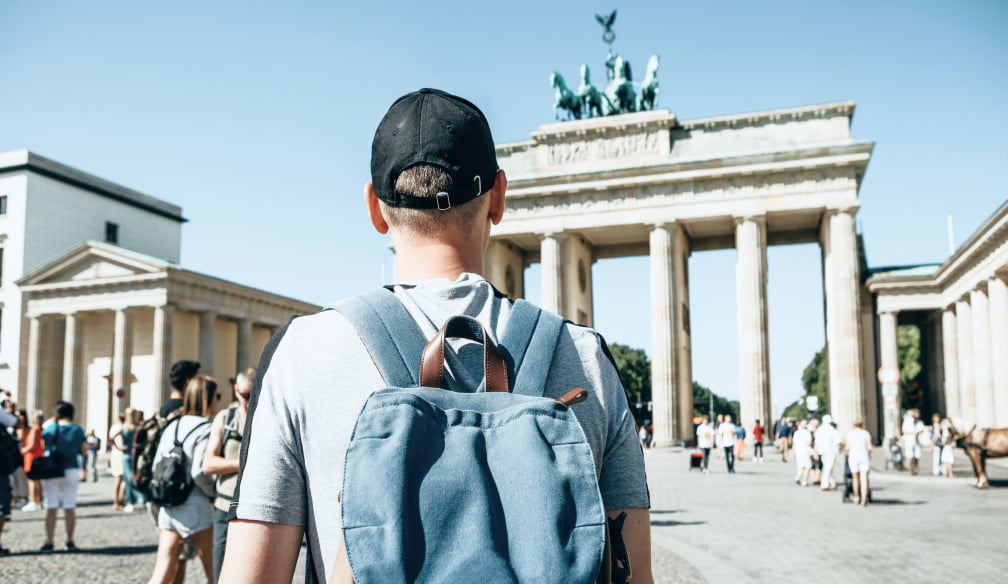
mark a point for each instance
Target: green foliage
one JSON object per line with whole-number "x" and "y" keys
{"x": 701, "y": 403}
{"x": 635, "y": 372}
{"x": 815, "y": 381}
{"x": 908, "y": 337}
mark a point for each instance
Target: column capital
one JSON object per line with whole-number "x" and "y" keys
{"x": 558, "y": 235}
{"x": 754, "y": 217}
{"x": 894, "y": 313}
{"x": 662, "y": 224}
{"x": 845, "y": 210}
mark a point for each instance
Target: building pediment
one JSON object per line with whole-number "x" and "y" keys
{"x": 92, "y": 261}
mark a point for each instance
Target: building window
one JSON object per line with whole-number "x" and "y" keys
{"x": 111, "y": 232}
{"x": 3, "y": 204}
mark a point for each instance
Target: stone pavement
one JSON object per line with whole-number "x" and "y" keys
{"x": 759, "y": 526}
{"x": 754, "y": 526}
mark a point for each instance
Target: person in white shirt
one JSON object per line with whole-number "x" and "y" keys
{"x": 726, "y": 437}
{"x": 801, "y": 442}
{"x": 858, "y": 447}
{"x": 912, "y": 427}
{"x": 827, "y": 446}
{"x": 705, "y": 440}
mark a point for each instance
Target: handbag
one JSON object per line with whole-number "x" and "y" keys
{"x": 10, "y": 453}
{"x": 50, "y": 466}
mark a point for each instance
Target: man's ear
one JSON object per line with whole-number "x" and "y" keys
{"x": 374, "y": 209}
{"x": 497, "y": 197}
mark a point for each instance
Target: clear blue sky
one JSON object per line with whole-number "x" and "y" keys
{"x": 256, "y": 118}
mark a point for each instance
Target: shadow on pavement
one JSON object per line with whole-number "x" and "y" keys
{"x": 670, "y": 523}
{"x": 95, "y": 504}
{"x": 875, "y": 501}
{"x": 120, "y": 550}
{"x": 664, "y": 511}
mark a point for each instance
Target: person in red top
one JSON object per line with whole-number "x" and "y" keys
{"x": 757, "y": 436}
{"x": 33, "y": 447}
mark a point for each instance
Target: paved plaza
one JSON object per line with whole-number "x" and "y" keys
{"x": 754, "y": 526}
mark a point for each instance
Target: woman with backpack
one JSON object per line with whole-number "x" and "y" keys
{"x": 134, "y": 498}
{"x": 192, "y": 516}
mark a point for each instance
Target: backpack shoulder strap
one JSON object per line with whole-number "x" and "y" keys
{"x": 389, "y": 333}
{"x": 530, "y": 340}
{"x": 189, "y": 433}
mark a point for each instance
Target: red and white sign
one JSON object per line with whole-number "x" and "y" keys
{"x": 888, "y": 375}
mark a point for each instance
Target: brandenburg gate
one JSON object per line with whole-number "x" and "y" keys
{"x": 648, "y": 184}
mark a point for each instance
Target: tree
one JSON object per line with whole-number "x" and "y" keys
{"x": 908, "y": 339}
{"x": 815, "y": 381}
{"x": 635, "y": 372}
{"x": 701, "y": 403}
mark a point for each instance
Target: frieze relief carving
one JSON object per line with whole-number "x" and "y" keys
{"x": 608, "y": 148}
{"x": 712, "y": 189}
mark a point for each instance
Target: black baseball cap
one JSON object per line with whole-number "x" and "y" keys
{"x": 432, "y": 127}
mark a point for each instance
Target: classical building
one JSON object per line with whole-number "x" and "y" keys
{"x": 650, "y": 184}
{"x": 95, "y": 305}
{"x": 961, "y": 308}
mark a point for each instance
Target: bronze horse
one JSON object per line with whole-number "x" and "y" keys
{"x": 979, "y": 445}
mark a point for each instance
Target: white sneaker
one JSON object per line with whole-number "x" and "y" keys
{"x": 32, "y": 507}
{"x": 128, "y": 508}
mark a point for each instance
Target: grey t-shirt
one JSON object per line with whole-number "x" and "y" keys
{"x": 320, "y": 374}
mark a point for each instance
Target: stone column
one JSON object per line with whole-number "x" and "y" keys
{"x": 671, "y": 369}
{"x": 843, "y": 337}
{"x": 964, "y": 334}
{"x": 665, "y": 406}
{"x": 207, "y": 326}
{"x": 504, "y": 266}
{"x": 32, "y": 385}
{"x": 121, "y": 346}
{"x": 951, "y": 361}
{"x": 889, "y": 354}
{"x": 681, "y": 325}
{"x": 244, "y": 352}
{"x": 751, "y": 302}
{"x": 71, "y": 355}
{"x": 162, "y": 350}
{"x": 551, "y": 258}
{"x": 578, "y": 258}
{"x": 997, "y": 296}
{"x": 982, "y": 382}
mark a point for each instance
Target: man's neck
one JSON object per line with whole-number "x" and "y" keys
{"x": 435, "y": 260}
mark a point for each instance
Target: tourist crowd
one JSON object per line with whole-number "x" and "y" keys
{"x": 211, "y": 440}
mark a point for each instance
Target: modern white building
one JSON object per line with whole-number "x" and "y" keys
{"x": 95, "y": 306}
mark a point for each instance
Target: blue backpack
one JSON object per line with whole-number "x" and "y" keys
{"x": 487, "y": 484}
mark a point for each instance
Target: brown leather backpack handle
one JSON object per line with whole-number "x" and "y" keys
{"x": 464, "y": 327}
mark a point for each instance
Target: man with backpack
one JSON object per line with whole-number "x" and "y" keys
{"x": 437, "y": 189}
{"x": 222, "y": 454}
